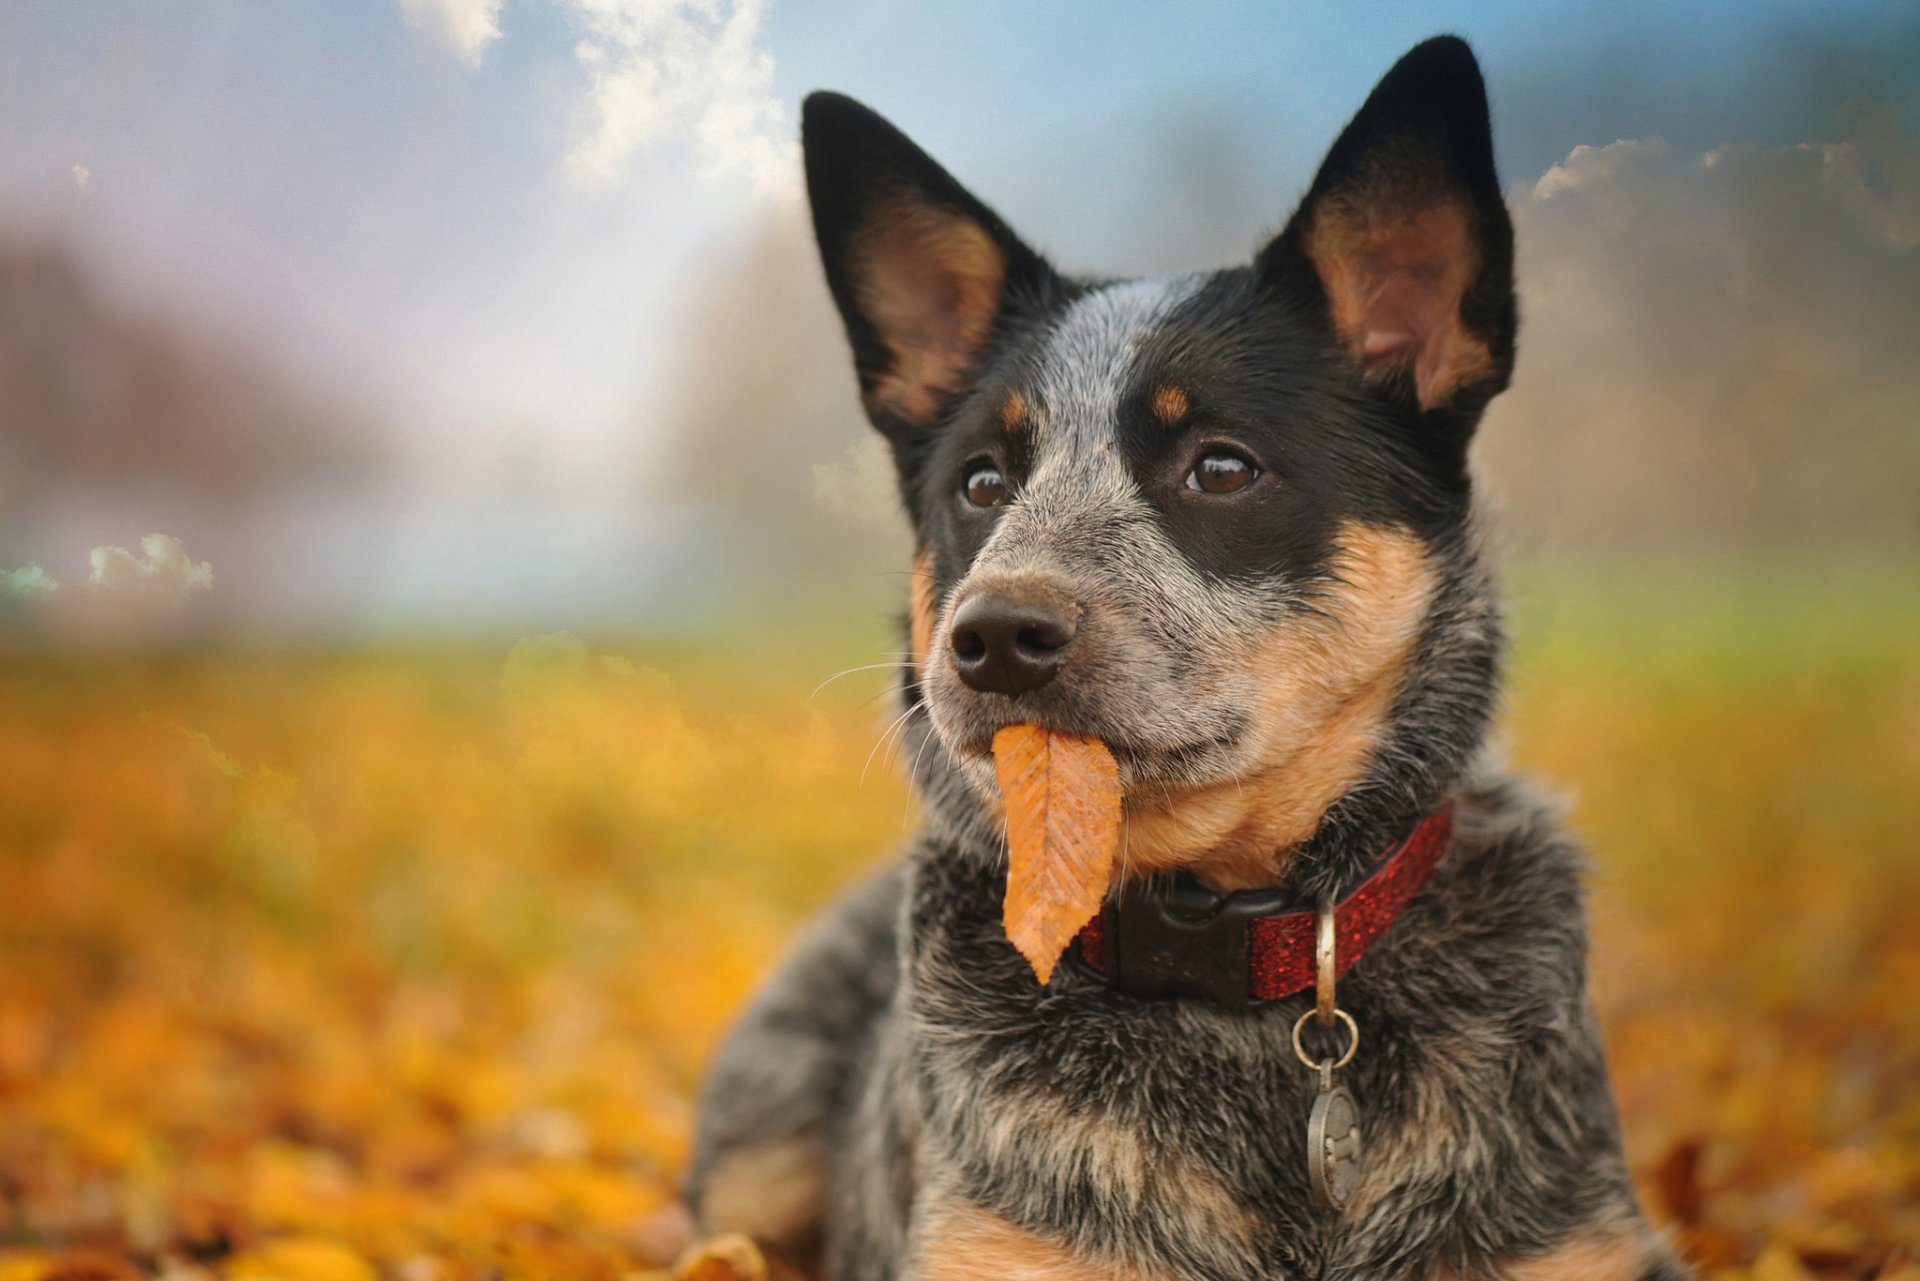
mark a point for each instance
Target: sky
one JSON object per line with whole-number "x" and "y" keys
{"x": 491, "y": 226}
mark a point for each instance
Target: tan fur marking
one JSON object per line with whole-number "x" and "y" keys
{"x": 773, "y": 1193}
{"x": 1324, "y": 682}
{"x": 1170, "y": 404}
{"x": 923, "y": 611}
{"x": 1015, "y": 413}
{"x": 1206, "y": 1203}
{"x": 1189, "y": 1199}
{"x": 1394, "y": 278}
{"x": 1613, "y": 1253}
{"x": 965, "y": 1243}
{"x": 930, "y": 283}
{"x": 1432, "y": 1140}
{"x": 1190, "y": 1195}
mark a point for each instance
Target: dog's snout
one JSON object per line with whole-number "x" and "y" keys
{"x": 1003, "y": 644}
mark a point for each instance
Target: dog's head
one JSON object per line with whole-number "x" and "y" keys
{"x": 1217, "y": 520}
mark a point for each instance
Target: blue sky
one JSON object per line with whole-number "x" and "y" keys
{"x": 340, "y": 177}
{"x": 498, "y": 226}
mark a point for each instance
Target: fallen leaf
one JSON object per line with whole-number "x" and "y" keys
{"x": 1062, "y": 795}
{"x": 301, "y": 1259}
{"x": 1778, "y": 1262}
{"x": 724, "y": 1258}
{"x": 88, "y": 1264}
{"x": 1678, "y": 1178}
{"x": 22, "y": 1265}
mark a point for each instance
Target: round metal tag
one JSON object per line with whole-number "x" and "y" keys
{"x": 1333, "y": 1147}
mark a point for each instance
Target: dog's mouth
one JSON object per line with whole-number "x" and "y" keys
{"x": 1146, "y": 767}
{"x": 1168, "y": 726}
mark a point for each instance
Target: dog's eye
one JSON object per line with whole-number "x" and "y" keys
{"x": 1221, "y": 473}
{"x": 985, "y": 486}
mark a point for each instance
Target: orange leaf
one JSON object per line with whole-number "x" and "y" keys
{"x": 1062, "y": 796}
{"x": 731, "y": 1258}
{"x": 301, "y": 1259}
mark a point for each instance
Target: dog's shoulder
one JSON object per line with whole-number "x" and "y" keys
{"x": 1505, "y": 910}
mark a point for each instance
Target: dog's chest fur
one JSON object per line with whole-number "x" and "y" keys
{"x": 1167, "y": 1139}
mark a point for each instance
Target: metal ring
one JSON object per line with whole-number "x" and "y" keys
{"x": 1326, "y": 973}
{"x": 1353, "y": 1046}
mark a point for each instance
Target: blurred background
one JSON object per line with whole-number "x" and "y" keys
{"x": 435, "y": 518}
{"x": 444, "y": 315}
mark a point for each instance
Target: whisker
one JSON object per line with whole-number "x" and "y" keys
{"x": 906, "y": 810}
{"x": 885, "y": 734}
{"x": 888, "y": 756}
{"x": 866, "y": 667}
{"x": 871, "y": 699}
{"x": 901, "y": 737}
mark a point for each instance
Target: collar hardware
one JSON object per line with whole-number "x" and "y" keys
{"x": 1247, "y": 949}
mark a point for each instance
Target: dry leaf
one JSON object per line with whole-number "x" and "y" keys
{"x": 1778, "y": 1262}
{"x": 301, "y": 1259}
{"x": 1062, "y": 795}
{"x": 88, "y": 1264}
{"x": 732, "y": 1258}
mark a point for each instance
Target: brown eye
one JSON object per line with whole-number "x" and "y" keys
{"x": 985, "y": 486}
{"x": 1221, "y": 473}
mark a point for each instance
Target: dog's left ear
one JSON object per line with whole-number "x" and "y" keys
{"x": 1403, "y": 245}
{"x": 921, "y": 270}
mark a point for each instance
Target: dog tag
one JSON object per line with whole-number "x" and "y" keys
{"x": 1333, "y": 1143}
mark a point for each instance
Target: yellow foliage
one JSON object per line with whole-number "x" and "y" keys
{"x": 1778, "y": 1263}
{"x": 301, "y": 1259}
{"x": 342, "y": 967}
{"x": 22, "y": 1265}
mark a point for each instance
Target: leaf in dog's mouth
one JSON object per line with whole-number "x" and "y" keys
{"x": 1062, "y": 794}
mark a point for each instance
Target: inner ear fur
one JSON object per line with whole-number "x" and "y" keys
{"x": 930, "y": 282}
{"x": 920, "y": 269}
{"x": 1403, "y": 241}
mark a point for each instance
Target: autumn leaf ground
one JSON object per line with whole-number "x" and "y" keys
{"x": 403, "y": 964}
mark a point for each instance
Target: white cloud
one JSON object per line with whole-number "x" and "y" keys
{"x": 681, "y": 71}
{"x": 858, "y": 486}
{"x": 81, "y": 176}
{"x": 1585, "y": 165}
{"x": 29, "y": 582}
{"x": 165, "y": 572}
{"x": 464, "y": 26}
{"x": 1716, "y": 346}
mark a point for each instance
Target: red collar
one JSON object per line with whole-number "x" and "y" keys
{"x": 1242, "y": 948}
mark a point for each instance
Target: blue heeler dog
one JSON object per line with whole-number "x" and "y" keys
{"x": 1332, "y": 1020}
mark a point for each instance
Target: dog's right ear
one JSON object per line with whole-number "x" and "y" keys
{"x": 921, "y": 270}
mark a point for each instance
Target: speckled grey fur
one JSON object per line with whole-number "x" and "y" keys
{"x": 913, "y": 1041}
{"x": 908, "y": 1046}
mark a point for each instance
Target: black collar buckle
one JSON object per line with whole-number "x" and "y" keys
{"x": 1181, "y": 939}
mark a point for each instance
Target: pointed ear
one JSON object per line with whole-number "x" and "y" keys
{"x": 1403, "y": 243}
{"x": 921, "y": 270}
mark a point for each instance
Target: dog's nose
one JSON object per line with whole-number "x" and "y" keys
{"x": 1005, "y": 645}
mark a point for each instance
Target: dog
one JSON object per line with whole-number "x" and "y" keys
{"x": 1332, "y": 1020}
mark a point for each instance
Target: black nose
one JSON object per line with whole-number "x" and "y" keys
{"x": 1005, "y": 645}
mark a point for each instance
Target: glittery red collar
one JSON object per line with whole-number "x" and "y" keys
{"x": 1242, "y": 948}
